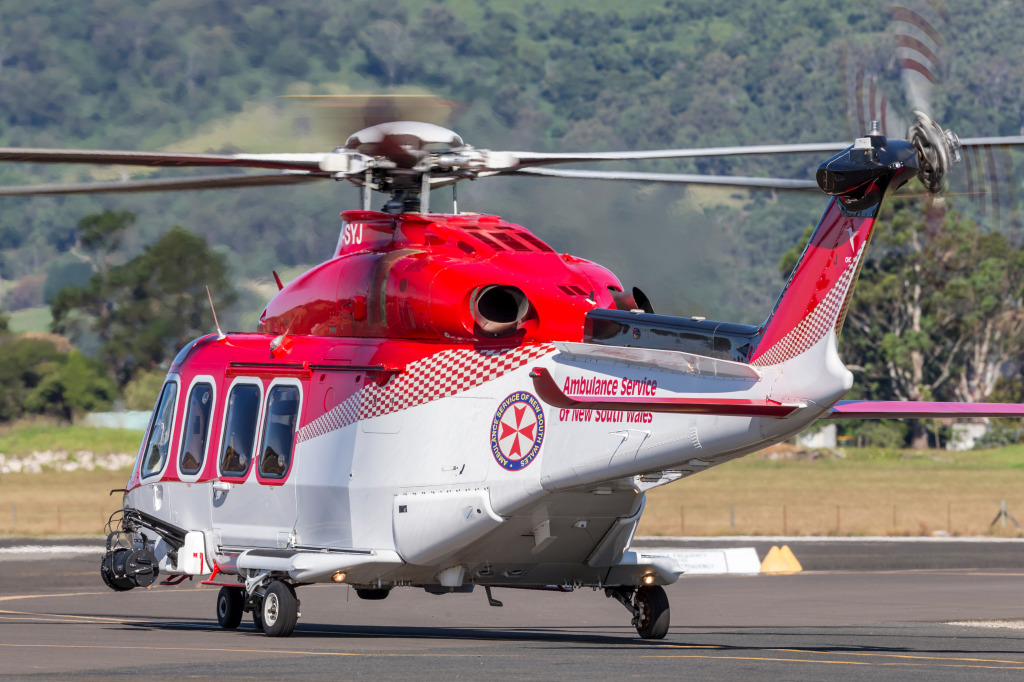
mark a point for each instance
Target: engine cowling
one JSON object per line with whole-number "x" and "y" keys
{"x": 458, "y": 278}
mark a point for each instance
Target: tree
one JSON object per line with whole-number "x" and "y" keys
{"x": 38, "y": 378}
{"x": 100, "y": 237}
{"x": 938, "y": 311}
{"x": 69, "y": 384}
{"x": 145, "y": 309}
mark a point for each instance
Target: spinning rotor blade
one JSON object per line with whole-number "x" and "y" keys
{"x": 166, "y": 185}
{"x": 338, "y": 115}
{"x": 675, "y": 178}
{"x": 314, "y": 162}
{"x": 918, "y": 26}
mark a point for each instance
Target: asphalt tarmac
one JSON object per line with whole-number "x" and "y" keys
{"x": 888, "y": 617}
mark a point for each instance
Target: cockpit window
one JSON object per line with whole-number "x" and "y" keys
{"x": 160, "y": 432}
{"x": 279, "y": 431}
{"x": 240, "y": 430}
{"x": 196, "y": 430}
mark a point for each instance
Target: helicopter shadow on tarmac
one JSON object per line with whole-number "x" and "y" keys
{"x": 910, "y": 639}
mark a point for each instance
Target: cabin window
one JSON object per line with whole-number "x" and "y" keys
{"x": 160, "y": 432}
{"x": 196, "y": 430}
{"x": 240, "y": 430}
{"x": 279, "y": 431}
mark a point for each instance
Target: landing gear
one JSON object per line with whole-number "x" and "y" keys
{"x": 649, "y": 606}
{"x": 272, "y": 602}
{"x": 280, "y": 609}
{"x": 650, "y": 612}
{"x": 230, "y": 605}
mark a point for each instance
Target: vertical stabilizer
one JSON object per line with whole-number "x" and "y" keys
{"x": 818, "y": 293}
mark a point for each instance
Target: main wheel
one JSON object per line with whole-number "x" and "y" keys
{"x": 280, "y": 609}
{"x": 230, "y": 601}
{"x": 650, "y": 604}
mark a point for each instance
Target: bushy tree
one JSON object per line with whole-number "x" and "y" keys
{"x": 38, "y": 378}
{"x": 937, "y": 313}
{"x": 144, "y": 310}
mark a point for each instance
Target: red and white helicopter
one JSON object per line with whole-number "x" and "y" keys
{"x": 446, "y": 402}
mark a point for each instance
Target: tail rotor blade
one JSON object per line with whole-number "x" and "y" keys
{"x": 918, "y": 26}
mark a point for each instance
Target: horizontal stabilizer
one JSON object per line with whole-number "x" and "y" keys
{"x": 550, "y": 393}
{"x": 919, "y": 409}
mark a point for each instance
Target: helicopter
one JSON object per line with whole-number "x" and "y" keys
{"x": 448, "y": 403}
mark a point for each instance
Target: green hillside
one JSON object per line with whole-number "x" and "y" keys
{"x": 559, "y": 75}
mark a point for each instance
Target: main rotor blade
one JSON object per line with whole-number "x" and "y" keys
{"x": 675, "y": 178}
{"x": 176, "y": 159}
{"x": 166, "y": 185}
{"x": 517, "y": 160}
{"x": 541, "y": 158}
{"x": 986, "y": 141}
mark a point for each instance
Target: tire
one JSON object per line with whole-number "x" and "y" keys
{"x": 280, "y": 610}
{"x": 652, "y": 612}
{"x": 257, "y": 617}
{"x": 372, "y": 594}
{"x": 230, "y": 603}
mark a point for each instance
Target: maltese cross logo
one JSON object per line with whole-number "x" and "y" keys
{"x": 517, "y": 431}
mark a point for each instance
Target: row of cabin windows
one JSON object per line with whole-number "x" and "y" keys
{"x": 239, "y": 444}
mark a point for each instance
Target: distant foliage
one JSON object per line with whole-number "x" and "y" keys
{"x": 38, "y": 379}
{"x": 145, "y": 74}
{"x": 1000, "y": 432}
{"x": 938, "y": 310}
{"x": 147, "y": 308}
{"x": 141, "y": 392}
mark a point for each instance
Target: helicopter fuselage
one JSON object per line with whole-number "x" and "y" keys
{"x": 394, "y": 425}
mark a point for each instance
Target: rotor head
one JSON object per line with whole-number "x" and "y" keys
{"x": 938, "y": 149}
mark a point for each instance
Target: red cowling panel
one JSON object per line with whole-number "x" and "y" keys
{"x": 416, "y": 276}
{"x": 917, "y": 409}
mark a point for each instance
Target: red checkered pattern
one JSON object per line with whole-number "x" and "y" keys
{"x": 432, "y": 378}
{"x": 813, "y": 328}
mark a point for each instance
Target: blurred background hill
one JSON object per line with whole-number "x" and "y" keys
{"x": 555, "y": 76}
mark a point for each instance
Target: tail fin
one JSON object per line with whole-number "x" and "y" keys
{"x": 818, "y": 293}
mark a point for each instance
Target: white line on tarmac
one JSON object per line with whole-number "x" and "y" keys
{"x": 25, "y": 552}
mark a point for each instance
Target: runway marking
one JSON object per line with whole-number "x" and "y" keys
{"x": 92, "y": 619}
{"x": 868, "y": 653}
{"x": 912, "y": 656}
{"x": 44, "y": 618}
{"x": 1012, "y": 624}
{"x": 1016, "y": 664}
{"x": 942, "y": 663}
{"x": 193, "y": 650}
{"x": 13, "y": 597}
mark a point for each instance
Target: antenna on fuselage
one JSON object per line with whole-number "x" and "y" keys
{"x": 455, "y": 200}
{"x": 220, "y": 334}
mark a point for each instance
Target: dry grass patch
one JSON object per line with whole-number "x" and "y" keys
{"x": 58, "y": 503}
{"x": 869, "y": 493}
